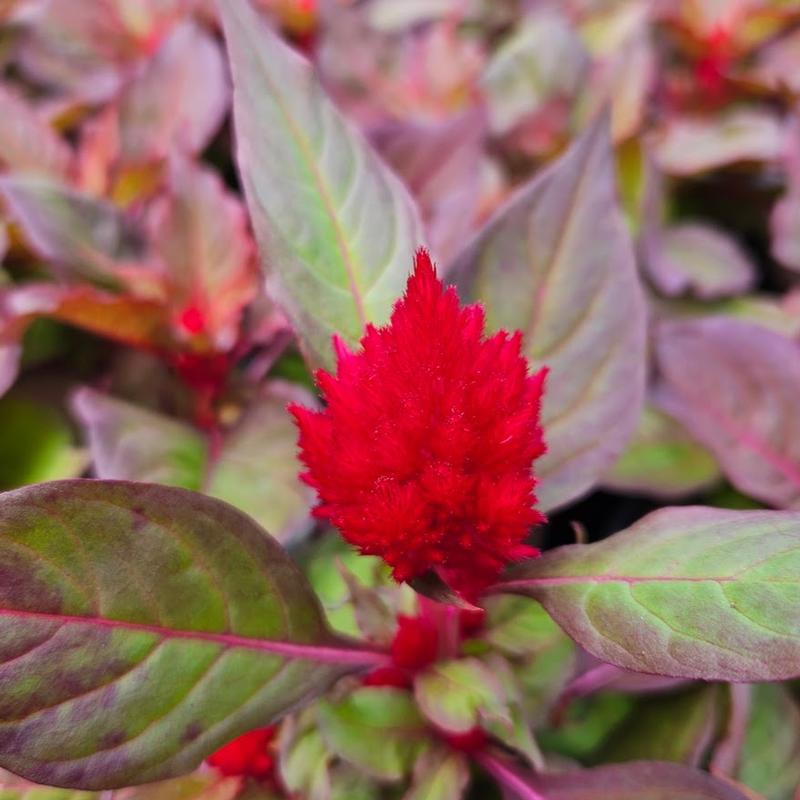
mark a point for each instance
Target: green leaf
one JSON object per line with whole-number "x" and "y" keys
{"x": 541, "y": 655}
{"x": 461, "y": 694}
{"x": 256, "y": 468}
{"x": 667, "y": 727}
{"x": 36, "y": 443}
{"x": 33, "y": 792}
{"x": 542, "y": 62}
{"x": 662, "y": 460}
{"x": 769, "y": 761}
{"x": 142, "y": 627}
{"x": 686, "y": 592}
{"x": 336, "y": 229}
{"x": 304, "y": 763}
{"x": 588, "y": 724}
{"x": 557, "y": 263}
{"x": 377, "y": 729}
{"x": 440, "y": 774}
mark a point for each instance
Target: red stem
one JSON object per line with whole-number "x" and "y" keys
{"x": 507, "y": 776}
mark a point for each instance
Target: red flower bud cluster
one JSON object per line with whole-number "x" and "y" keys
{"x": 248, "y": 756}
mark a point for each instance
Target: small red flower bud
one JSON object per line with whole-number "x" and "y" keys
{"x": 248, "y": 756}
{"x": 470, "y": 742}
{"x": 192, "y": 320}
{"x": 389, "y": 676}
{"x": 415, "y": 644}
{"x": 424, "y": 453}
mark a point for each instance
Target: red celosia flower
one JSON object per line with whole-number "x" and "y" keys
{"x": 248, "y": 756}
{"x": 424, "y": 453}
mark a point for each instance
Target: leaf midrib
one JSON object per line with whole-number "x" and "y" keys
{"x": 324, "y": 195}
{"x": 320, "y": 653}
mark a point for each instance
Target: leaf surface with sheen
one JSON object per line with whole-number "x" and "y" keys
{"x": 687, "y": 592}
{"x": 557, "y": 263}
{"x": 142, "y": 627}
{"x": 336, "y": 228}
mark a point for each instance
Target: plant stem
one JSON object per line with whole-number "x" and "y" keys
{"x": 507, "y": 776}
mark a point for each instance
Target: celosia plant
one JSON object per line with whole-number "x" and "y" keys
{"x": 442, "y": 569}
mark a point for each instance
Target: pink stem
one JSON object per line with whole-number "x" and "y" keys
{"x": 508, "y": 777}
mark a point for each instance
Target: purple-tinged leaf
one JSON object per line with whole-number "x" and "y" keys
{"x": 253, "y": 468}
{"x": 557, "y": 263}
{"x": 198, "y": 786}
{"x": 460, "y": 694}
{"x": 785, "y": 218}
{"x": 725, "y": 757}
{"x": 439, "y": 774}
{"x": 697, "y": 259}
{"x": 543, "y": 61}
{"x": 87, "y": 49}
{"x": 769, "y": 760}
{"x": 9, "y": 364}
{"x": 662, "y": 460}
{"x": 638, "y": 780}
{"x": 778, "y": 64}
{"x": 623, "y": 79}
{"x": 84, "y": 236}
{"x": 141, "y": 627}
{"x": 27, "y": 142}
{"x": 688, "y": 592}
{"x": 178, "y": 100}
{"x": 201, "y": 233}
{"x": 128, "y": 442}
{"x": 689, "y": 145}
{"x": 440, "y": 164}
{"x": 735, "y": 387}
{"x": 337, "y": 230}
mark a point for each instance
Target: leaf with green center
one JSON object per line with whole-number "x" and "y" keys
{"x": 769, "y": 761}
{"x": 459, "y": 695}
{"x": 668, "y": 727}
{"x": 87, "y": 237}
{"x": 557, "y": 263}
{"x": 336, "y": 228}
{"x": 142, "y": 627}
{"x": 440, "y": 774}
{"x": 541, "y": 655}
{"x": 543, "y": 61}
{"x": 686, "y": 592}
{"x": 255, "y": 469}
{"x": 377, "y": 729}
{"x": 697, "y": 259}
{"x": 662, "y": 460}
